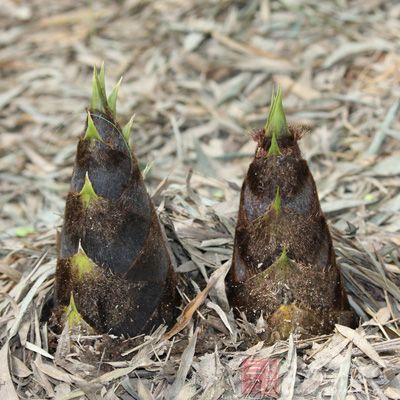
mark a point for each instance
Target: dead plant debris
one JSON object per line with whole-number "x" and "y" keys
{"x": 198, "y": 75}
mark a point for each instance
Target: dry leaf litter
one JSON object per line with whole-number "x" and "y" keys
{"x": 199, "y": 76}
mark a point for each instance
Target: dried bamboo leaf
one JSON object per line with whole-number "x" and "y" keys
{"x": 288, "y": 382}
{"x": 143, "y": 392}
{"x": 7, "y": 387}
{"x": 350, "y": 49}
{"x": 341, "y": 383}
{"x": 184, "y": 367}
{"x": 37, "y": 349}
{"x": 19, "y": 369}
{"x": 361, "y": 343}
{"x": 192, "y": 306}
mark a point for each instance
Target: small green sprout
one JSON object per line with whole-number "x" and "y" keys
{"x": 283, "y": 258}
{"x": 112, "y": 98}
{"x": 73, "y": 317}
{"x": 127, "y": 129}
{"x": 91, "y": 130}
{"x": 99, "y": 100}
{"x": 81, "y": 263}
{"x": 277, "y": 201}
{"x": 87, "y": 195}
{"x": 276, "y": 125}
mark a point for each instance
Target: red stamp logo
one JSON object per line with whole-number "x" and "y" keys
{"x": 260, "y": 378}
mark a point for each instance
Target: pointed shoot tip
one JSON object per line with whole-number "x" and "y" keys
{"x": 127, "y": 129}
{"x": 112, "y": 98}
{"x": 276, "y": 124}
{"x": 91, "y": 130}
{"x": 101, "y": 88}
{"x": 87, "y": 194}
{"x": 274, "y": 149}
{"x": 81, "y": 263}
{"x": 73, "y": 316}
{"x": 277, "y": 201}
{"x": 101, "y": 76}
{"x": 95, "y": 103}
{"x": 283, "y": 258}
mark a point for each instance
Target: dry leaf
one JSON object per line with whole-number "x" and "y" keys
{"x": 193, "y": 305}
{"x": 361, "y": 343}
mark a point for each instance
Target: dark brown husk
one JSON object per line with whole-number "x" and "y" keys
{"x": 130, "y": 285}
{"x": 284, "y": 263}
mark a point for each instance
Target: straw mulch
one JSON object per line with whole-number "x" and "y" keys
{"x": 199, "y": 74}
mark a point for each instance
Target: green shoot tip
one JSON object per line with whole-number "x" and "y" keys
{"x": 99, "y": 100}
{"x": 112, "y": 98}
{"x": 73, "y": 317}
{"x": 81, "y": 263}
{"x": 127, "y": 129}
{"x": 95, "y": 102}
{"x": 99, "y": 97}
{"x": 283, "y": 258}
{"x": 87, "y": 194}
{"x": 274, "y": 149}
{"x": 91, "y": 130}
{"x": 276, "y": 124}
{"x": 101, "y": 77}
{"x": 277, "y": 201}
